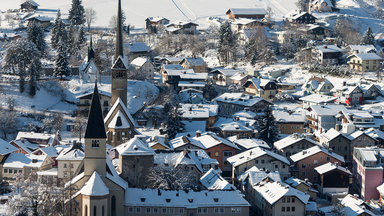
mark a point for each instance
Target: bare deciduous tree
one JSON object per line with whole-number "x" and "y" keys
{"x": 90, "y": 17}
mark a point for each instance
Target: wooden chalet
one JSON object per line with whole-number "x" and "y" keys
{"x": 250, "y": 13}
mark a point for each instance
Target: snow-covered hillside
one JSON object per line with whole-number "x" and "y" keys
{"x": 138, "y": 10}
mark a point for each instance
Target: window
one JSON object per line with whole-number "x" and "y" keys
{"x": 293, "y": 209}
{"x": 202, "y": 210}
{"x": 216, "y": 154}
{"x": 328, "y": 158}
{"x": 303, "y": 174}
{"x": 256, "y": 161}
{"x": 303, "y": 166}
{"x": 102, "y": 211}
{"x": 94, "y": 211}
{"x": 219, "y": 210}
{"x": 164, "y": 210}
{"x": 171, "y": 210}
{"x": 5, "y": 170}
{"x": 148, "y": 210}
{"x": 181, "y": 211}
{"x": 138, "y": 210}
{"x": 262, "y": 161}
{"x": 315, "y": 162}
{"x": 288, "y": 209}
{"x": 293, "y": 199}
{"x": 235, "y": 210}
{"x": 14, "y": 171}
{"x": 71, "y": 166}
{"x": 283, "y": 200}
{"x": 95, "y": 143}
{"x": 283, "y": 209}
{"x": 86, "y": 210}
{"x": 130, "y": 210}
{"x": 276, "y": 166}
{"x": 288, "y": 200}
{"x": 113, "y": 206}
{"x": 283, "y": 166}
{"x": 65, "y": 165}
{"x": 228, "y": 153}
{"x": 155, "y": 210}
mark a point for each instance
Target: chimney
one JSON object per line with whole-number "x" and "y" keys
{"x": 22, "y": 139}
{"x": 198, "y": 133}
{"x": 166, "y": 139}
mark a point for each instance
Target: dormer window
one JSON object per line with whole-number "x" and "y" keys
{"x": 190, "y": 200}
{"x": 142, "y": 199}
{"x": 95, "y": 143}
{"x": 216, "y": 199}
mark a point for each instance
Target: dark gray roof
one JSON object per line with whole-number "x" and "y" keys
{"x": 95, "y": 125}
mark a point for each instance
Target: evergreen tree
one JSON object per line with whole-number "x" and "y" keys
{"x": 81, "y": 40}
{"x": 35, "y": 34}
{"x": 227, "y": 43}
{"x": 61, "y": 61}
{"x": 174, "y": 124}
{"x": 34, "y": 75}
{"x": 18, "y": 58}
{"x": 77, "y": 13}
{"x": 368, "y": 38}
{"x": 56, "y": 30}
{"x": 71, "y": 41}
{"x": 268, "y": 128}
{"x": 288, "y": 47}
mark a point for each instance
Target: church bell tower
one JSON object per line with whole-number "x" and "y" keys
{"x": 119, "y": 67}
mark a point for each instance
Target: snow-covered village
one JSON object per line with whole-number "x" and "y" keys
{"x": 191, "y": 107}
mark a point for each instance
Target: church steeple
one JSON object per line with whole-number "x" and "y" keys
{"x": 119, "y": 34}
{"x": 91, "y": 51}
{"x": 95, "y": 138}
{"x": 95, "y": 125}
{"x": 119, "y": 67}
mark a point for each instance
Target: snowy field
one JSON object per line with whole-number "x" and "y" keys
{"x": 138, "y": 10}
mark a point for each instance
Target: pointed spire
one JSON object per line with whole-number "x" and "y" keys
{"x": 119, "y": 34}
{"x": 91, "y": 52}
{"x": 95, "y": 125}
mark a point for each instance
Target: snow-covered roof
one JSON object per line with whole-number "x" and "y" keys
{"x": 135, "y": 146}
{"x": 239, "y": 98}
{"x": 353, "y": 206}
{"x": 183, "y": 198}
{"x": 193, "y": 126}
{"x": 249, "y": 143}
{"x": 367, "y": 56}
{"x": 6, "y": 148}
{"x": 137, "y": 47}
{"x": 255, "y": 175}
{"x": 33, "y": 135}
{"x": 209, "y": 140}
{"x": 296, "y": 14}
{"x": 194, "y": 76}
{"x": 283, "y": 116}
{"x": 50, "y": 172}
{"x": 193, "y": 61}
{"x": 327, "y": 110}
{"x": 294, "y": 182}
{"x": 318, "y": 98}
{"x": 95, "y": 186}
{"x": 311, "y": 206}
{"x": 212, "y": 180}
{"x": 167, "y": 67}
{"x": 89, "y": 67}
{"x": 119, "y": 121}
{"x": 156, "y": 19}
{"x": 228, "y": 72}
{"x": 139, "y": 62}
{"x": 124, "y": 109}
{"x": 375, "y": 133}
{"x": 26, "y": 145}
{"x": 274, "y": 191}
{"x": 331, "y": 134}
{"x": 181, "y": 23}
{"x": 243, "y": 21}
{"x": 369, "y": 154}
{"x": 71, "y": 154}
{"x": 292, "y": 139}
{"x": 19, "y": 160}
{"x": 52, "y": 151}
{"x": 330, "y": 167}
{"x": 312, "y": 151}
{"x": 173, "y": 71}
{"x": 89, "y": 93}
{"x": 259, "y": 83}
{"x": 329, "y": 49}
{"x": 184, "y": 140}
{"x": 239, "y": 76}
{"x": 240, "y": 124}
{"x": 252, "y": 154}
{"x": 362, "y": 48}
{"x": 188, "y": 111}
{"x": 245, "y": 114}
{"x": 248, "y": 11}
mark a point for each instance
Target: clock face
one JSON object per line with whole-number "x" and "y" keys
{"x": 119, "y": 74}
